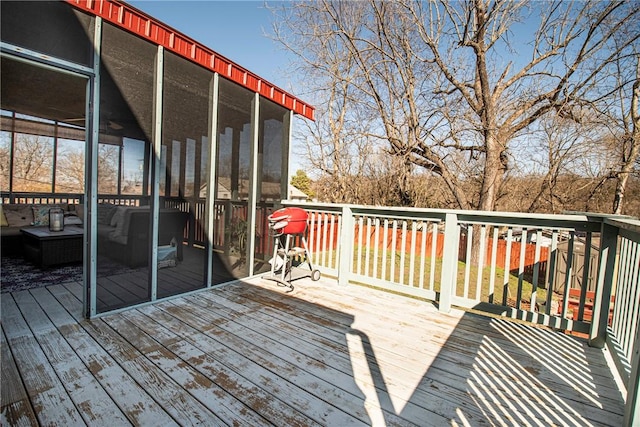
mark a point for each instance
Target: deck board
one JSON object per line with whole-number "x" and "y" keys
{"x": 329, "y": 367}
{"x": 171, "y": 355}
{"x": 217, "y": 363}
{"x": 331, "y": 385}
{"x": 250, "y": 354}
{"x": 272, "y": 375}
{"x": 40, "y": 379}
{"x": 97, "y": 357}
{"x": 556, "y": 360}
{"x": 85, "y": 391}
{"x": 15, "y": 400}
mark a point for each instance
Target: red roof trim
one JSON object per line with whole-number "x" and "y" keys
{"x": 141, "y": 24}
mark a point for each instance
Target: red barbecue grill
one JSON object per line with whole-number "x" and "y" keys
{"x": 288, "y": 226}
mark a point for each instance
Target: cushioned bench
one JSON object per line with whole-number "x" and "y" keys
{"x": 123, "y": 234}
{"x": 14, "y": 217}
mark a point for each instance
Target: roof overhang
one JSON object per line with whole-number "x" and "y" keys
{"x": 145, "y": 26}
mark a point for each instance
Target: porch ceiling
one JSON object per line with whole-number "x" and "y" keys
{"x": 41, "y": 92}
{"x": 52, "y": 95}
{"x": 324, "y": 355}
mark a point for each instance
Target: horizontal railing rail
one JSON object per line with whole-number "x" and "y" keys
{"x": 41, "y": 198}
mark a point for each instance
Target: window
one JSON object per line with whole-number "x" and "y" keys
{"x": 185, "y": 124}
{"x": 174, "y": 172}
{"x": 5, "y": 160}
{"x": 133, "y": 161}
{"x": 108, "y": 166}
{"x": 232, "y": 180}
{"x": 126, "y": 125}
{"x": 70, "y": 166}
{"x": 189, "y": 168}
{"x": 43, "y": 135}
{"x": 32, "y": 163}
{"x": 272, "y": 143}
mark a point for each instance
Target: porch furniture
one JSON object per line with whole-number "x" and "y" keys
{"x": 18, "y": 216}
{"x": 46, "y": 248}
{"x": 124, "y": 234}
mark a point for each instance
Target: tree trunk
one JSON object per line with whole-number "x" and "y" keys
{"x": 493, "y": 174}
{"x": 621, "y": 185}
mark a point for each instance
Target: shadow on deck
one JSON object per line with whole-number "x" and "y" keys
{"x": 249, "y": 354}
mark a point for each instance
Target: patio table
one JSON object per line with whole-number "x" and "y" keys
{"x": 45, "y": 248}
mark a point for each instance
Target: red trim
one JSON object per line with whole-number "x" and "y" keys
{"x": 137, "y": 22}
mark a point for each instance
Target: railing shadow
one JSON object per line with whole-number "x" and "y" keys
{"x": 523, "y": 375}
{"x": 485, "y": 371}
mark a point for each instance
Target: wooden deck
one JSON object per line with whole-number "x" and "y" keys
{"x": 249, "y": 354}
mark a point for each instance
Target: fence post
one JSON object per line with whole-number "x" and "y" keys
{"x": 345, "y": 250}
{"x": 449, "y": 262}
{"x": 604, "y": 285}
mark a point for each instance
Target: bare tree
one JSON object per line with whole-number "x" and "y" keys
{"x": 32, "y": 163}
{"x": 108, "y": 160}
{"x": 627, "y": 134}
{"x": 336, "y": 145}
{"x": 562, "y": 148}
{"x": 70, "y": 169}
{"x": 436, "y": 78}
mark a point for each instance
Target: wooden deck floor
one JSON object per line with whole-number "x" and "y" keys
{"x": 249, "y": 354}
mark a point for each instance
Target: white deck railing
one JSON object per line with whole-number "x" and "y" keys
{"x": 574, "y": 272}
{"x": 623, "y": 336}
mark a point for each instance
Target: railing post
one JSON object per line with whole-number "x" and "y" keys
{"x": 604, "y": 285}
{"x": 449, "y": 262}
{"x": 226, "y": 231}
{"x": 345, "y": 252}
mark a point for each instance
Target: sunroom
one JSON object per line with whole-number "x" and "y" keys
{"x": 127, "y": 125}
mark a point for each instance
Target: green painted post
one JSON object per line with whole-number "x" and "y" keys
{"x": 449, "y": 262}
{"x": 346, "y": 247}
{"x": 604, "y": 285}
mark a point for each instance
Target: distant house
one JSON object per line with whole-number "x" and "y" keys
{"x": 297, "y": 195}
{"x": 225, "y": 194}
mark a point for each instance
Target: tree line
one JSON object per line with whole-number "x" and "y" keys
{"x": 569, "y": 193}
